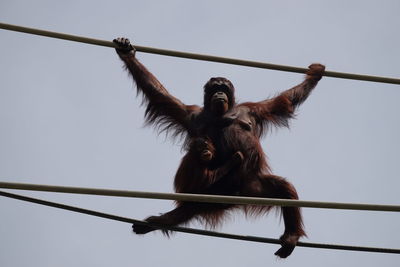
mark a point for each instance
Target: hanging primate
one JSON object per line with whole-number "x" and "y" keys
{"x": 233, "y": 131}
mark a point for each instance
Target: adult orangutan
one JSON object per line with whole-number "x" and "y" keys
{"x": 233, "y": 130}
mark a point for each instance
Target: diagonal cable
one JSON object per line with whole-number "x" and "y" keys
{"x": 194, "y": 231}
{"x": 196, "y": 56}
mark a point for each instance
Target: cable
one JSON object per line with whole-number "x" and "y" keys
{"x": 192, "y": 197}
{"x": 194, "y": 231}
{"x": 172, "y": 53}
{"x": 201, "y": 197}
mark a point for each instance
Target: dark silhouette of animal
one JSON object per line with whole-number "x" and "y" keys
{"x": 232, "y": 162}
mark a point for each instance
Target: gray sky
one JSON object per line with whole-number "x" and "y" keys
{"x": 69, "y": 116}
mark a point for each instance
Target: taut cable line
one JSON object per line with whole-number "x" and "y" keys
{"x": 180, "y": 54}
{"x": 195, "y": 231}
{"x": 201, "y": 197}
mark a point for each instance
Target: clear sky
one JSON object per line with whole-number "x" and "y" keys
{"x": 69, "y": 115}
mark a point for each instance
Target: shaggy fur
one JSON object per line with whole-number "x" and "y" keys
{"x": 238, "y": 165}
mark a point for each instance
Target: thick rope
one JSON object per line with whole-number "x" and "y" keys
{"x": 180, "y": 54}
{"x": 201, "y": 197}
